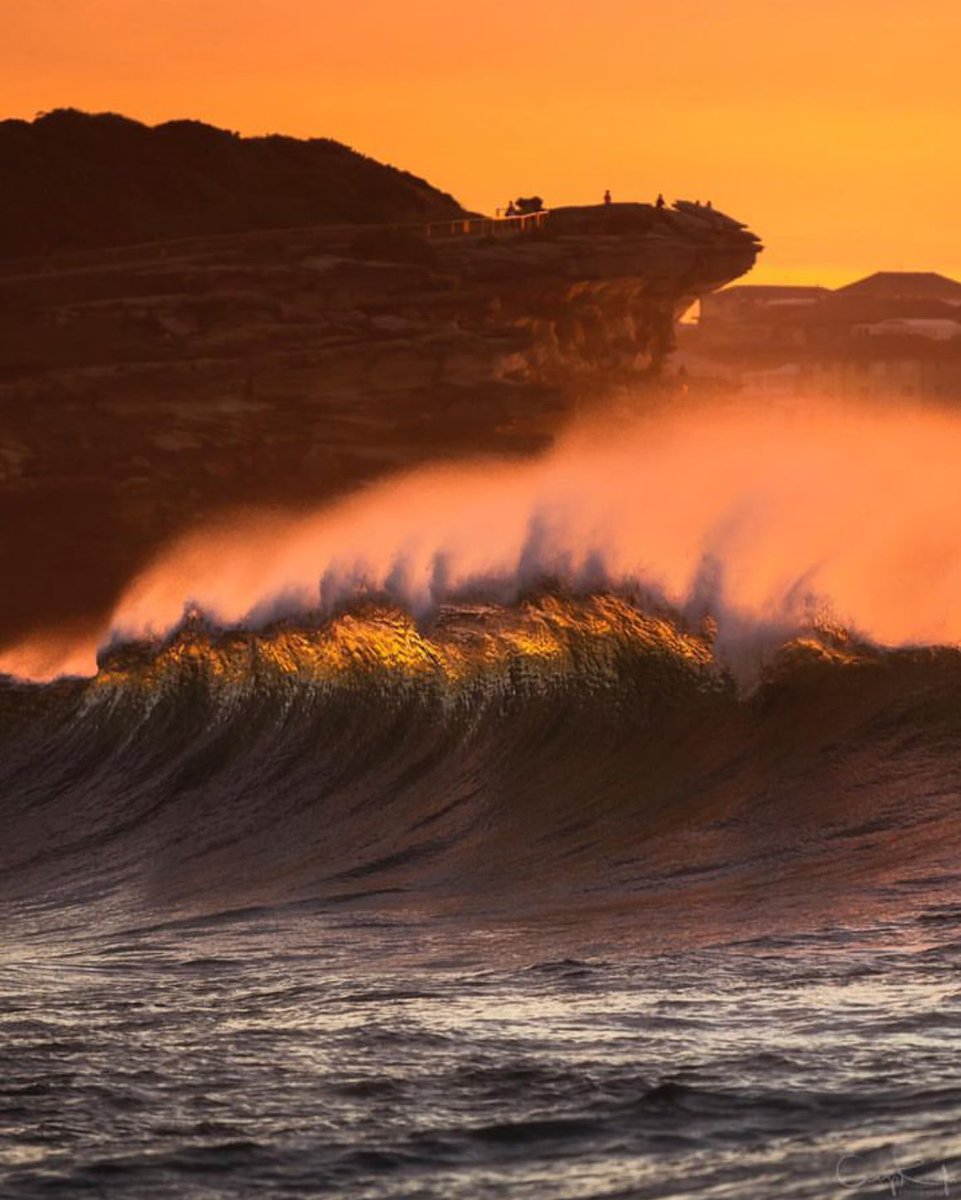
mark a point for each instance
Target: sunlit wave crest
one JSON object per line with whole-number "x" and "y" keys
{"x": 766, "y": 521}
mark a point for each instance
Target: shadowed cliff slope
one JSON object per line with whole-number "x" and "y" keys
{"x": 72, "y": 180}
{"x": 145, "y": 388}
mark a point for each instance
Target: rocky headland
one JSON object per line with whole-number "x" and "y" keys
{"x": 147, "y": 386}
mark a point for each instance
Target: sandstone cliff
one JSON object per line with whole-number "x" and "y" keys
{"x": 145, "y": 388}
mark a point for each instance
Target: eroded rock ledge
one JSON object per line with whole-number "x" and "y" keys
{"x": 144, "y": 388}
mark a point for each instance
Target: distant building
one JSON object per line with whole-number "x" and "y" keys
{"x": 894, "y": 333}
{"x": 749, "y": 299}
{"x": 933, "y": 328}
{"x": 759, "y": 313}
{"x": 904, "y": 285}
{"x": 886, "y": 372}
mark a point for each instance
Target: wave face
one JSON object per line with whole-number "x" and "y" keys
{"x": 558, "y": 756}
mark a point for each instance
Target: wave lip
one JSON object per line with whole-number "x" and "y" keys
{"x": 587, "y": 635}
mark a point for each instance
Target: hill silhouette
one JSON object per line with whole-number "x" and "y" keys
{"x": 73, "y": 180}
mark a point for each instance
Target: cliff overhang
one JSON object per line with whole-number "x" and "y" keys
{"x": 146, "y": 388}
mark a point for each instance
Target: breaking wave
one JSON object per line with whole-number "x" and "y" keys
{"x": 688, "y": 660}
{"x": 765, "y": 521}
{"x": 560, "y": 755}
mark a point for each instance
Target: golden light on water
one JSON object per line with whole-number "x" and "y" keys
{"x": 475, "y": 641}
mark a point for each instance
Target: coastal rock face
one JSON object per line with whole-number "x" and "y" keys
{"x": 144, "y": 389}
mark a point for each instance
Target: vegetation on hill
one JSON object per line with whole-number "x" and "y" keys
{"x": 73, "y": 180}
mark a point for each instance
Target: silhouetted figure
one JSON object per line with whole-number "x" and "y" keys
{"x": 709, "y": 205}
{"x": 511, "y": 210}
{"x": 660, "y": 200}
{"x": 607, "y": 196}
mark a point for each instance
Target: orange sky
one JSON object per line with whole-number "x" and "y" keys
{"x": 831, "y": 126}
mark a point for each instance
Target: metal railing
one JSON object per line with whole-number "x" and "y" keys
{"x": 487, "y": 226}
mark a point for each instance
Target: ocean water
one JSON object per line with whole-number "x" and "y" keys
{"x": 538, "y": 903}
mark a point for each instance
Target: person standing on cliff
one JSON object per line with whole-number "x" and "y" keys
{"x": 660, "y": 200}
{"x": 607, "y": 196}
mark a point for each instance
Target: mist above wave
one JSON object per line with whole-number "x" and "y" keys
{"x": 766, "y": 521}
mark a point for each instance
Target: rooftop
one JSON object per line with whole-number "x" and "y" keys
{"x": 914, "y": 285}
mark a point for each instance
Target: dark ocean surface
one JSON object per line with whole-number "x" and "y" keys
{"x": 542, "y": 905}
